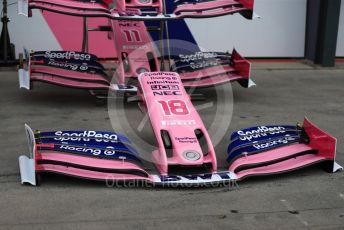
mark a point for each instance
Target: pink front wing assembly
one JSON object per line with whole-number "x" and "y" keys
{"x": 182, "y": 141}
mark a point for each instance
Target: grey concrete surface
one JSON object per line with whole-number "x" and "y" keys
{"x": 304, "y": 199}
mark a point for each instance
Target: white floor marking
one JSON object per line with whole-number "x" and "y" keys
{"x": 291, "y": 210}
{"x": 204, "y": 106}
{"x": 142, "y": 123}
{"x": 341, "y": 195}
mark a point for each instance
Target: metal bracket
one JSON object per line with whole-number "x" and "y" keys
{"x": 24, "y": 79}
{"x": 23, "y": 7}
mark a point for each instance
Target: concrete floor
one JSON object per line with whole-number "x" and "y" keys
{"x": 309, "y": 198}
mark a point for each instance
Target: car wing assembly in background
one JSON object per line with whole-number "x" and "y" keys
{"x": 134, "y": 50}
{"x": 140, "y": 10}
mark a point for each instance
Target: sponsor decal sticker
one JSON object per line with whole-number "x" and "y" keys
{"x": 194, "y": 179}
{"x": 68, "y": 55}
{"x": 178, "y": 122}
{"x": 96, "y": 152}
{"x": 272, "y": 143}
{"x": 191, "y": 140}
{"x": 85, "y": 136}
{"x": 82, "y": 67}
{"x": 261, "y": 131}
{"x": 197, "y": 56}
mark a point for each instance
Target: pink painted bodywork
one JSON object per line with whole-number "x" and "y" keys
{"x": 71, "y": 4}
{"x": 89, "y": 174}
{"x": 69, "y": 82}
{"x": 86, "y": 161}
{"x": 95, "y": 165}
{"x": 269, "y": 156}
{"x": 241, "y": 65}
{"x": 248, "y": 4}
{"x": 323, "y": 142}
{"x": 73, "y": 75}
{"x": 281, "y": 167}
{"x": 321, "y": 147}
{"x": 171, "y": 85}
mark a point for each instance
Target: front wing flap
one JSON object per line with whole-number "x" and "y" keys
{"x": 204, "y": 69}
{"x": 66, "y": 68}
{"x": 265, "y": 150}
{"x": 213, "y": 8}
{"x": 69, "y": 69}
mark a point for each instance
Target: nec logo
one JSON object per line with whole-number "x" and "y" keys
{"x": 167, "y": 93}
{"x": 164, "y": 87}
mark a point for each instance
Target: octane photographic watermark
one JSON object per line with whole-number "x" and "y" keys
{"x": 112, "y": 182}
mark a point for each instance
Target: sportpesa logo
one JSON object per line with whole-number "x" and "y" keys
{"x": 197, "y": 56}
{"x": 261, "y": 131}
{"x": 86, "y": 136}
{"x": 68, "y": 55}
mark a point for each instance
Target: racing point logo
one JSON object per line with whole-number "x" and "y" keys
{"x": 171, "y": 108}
